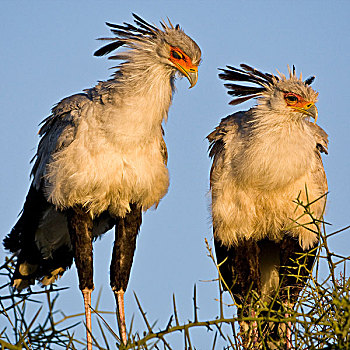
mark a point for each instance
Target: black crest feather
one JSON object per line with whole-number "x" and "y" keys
{"x": 246, "y": 74}
{"x": 127, "y": 31}
{"x": 309, "y": 80}
{"x": 104, "y": 50}
{"x": 249, "y": 75}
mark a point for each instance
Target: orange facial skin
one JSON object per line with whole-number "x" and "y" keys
{"x": 296, "y": 100}
{"x": 184, "y": 64}
{"x": 298, "y": 103}
{"x": 178, "y": 56}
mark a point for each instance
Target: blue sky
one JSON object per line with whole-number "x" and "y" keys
{"x": 47, "y": 49}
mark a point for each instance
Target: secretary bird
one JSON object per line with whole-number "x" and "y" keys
{"x": 266, "y": 161}
{"x": 101, "y": 162}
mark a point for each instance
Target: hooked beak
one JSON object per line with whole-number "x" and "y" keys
{"x": 310, "y": 111}
{"x": 190, "y": 73}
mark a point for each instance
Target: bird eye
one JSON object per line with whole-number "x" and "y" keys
{"x": 176, "y": 55}
{"x": 291, "y": 98}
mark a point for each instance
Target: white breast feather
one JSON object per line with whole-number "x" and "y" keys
{"x": 114, "y": 159}
{"x": 255, "y": 199}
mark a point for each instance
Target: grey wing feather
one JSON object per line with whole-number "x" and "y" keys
{"x": 231, "y": 124}
{"x": 321, "y": 138}
{"x": 57, "y": 132}
{"x": 163, "y": 149}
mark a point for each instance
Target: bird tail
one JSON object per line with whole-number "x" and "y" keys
{"x": 21, "y": 241}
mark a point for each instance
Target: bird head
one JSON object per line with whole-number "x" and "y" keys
{"x": 285, "y": 96}
{"x": 169, "y": 46}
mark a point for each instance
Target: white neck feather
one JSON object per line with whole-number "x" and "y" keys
{"x": 278, "y": 153}
{"x": 138, "y": 99}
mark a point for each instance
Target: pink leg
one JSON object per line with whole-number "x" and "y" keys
{"x": 254, "y": 330}
{"x": 121, "y": 315}
{"x": 87, "y": 302}
{"x": 288, "y": 334}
